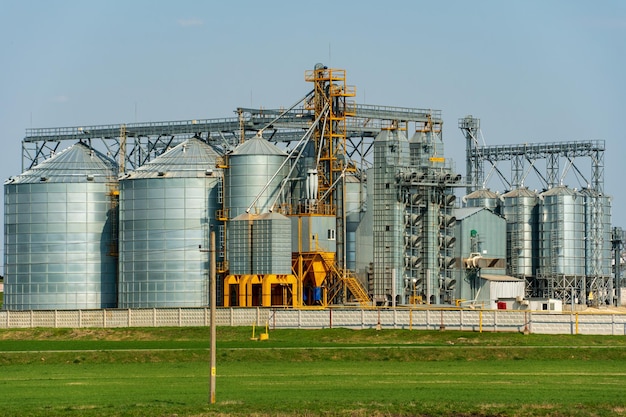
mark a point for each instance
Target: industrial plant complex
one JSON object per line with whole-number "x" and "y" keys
{"x": 326, "y": 202}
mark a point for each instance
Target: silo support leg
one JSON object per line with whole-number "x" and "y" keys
{"x": 266, "y": 298}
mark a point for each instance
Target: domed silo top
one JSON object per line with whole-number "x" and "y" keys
{"x": 76, "y": 164}
{"x": 257, "y": 146}
{"x": 482, "y": 198}
{"x": 482, "y": 193}
{"x": 560, "y": 190}
{"x": 191, "y": 158}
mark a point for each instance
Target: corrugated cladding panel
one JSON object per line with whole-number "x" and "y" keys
{"x": 260, "y": 244}
{"x": 239, "y": 242}
{"x": 272, "y": 243}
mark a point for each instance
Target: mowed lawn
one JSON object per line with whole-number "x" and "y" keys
{"x": 332, "y": 372}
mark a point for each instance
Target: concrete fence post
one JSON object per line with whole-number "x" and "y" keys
{"x": 495, "y": 320}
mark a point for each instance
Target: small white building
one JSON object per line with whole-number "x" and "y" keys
{"x": 500, "y": 291}
{"x": 546, "y": 304}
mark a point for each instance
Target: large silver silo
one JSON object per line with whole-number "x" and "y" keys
{"x": 59, "y": 225}
{"x": 562, "y": 232}
{"x": 254, "y": 177}
{"x": 167, "y": 209}
{"x": 520, "y": 208}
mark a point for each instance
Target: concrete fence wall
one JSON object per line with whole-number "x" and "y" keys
{"x": 413, "y": 319}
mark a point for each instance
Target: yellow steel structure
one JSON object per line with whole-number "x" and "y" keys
{"x": 330, "y": 90}
{"x": 314, "y": 268}
{"x": 261, "y": 290}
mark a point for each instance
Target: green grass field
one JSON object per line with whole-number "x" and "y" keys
{"x": 333, "y": 372}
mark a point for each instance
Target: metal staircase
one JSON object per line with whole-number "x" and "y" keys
{"x": 339, "y": 282}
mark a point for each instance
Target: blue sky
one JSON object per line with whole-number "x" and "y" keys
{"x": 532, "y": 71}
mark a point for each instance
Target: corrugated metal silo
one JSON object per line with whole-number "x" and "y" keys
{"x": 59, "y": 219}
{"x": 520, "y": 208}
{"x": 562, "y": 232}
{"x": 167, "y": 207}
{"x": 355, "y": 198}
{"x": 254, "y": 170}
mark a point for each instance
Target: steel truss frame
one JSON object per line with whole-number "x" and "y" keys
{"x": 551, "y": 152}
{"x": 148, "y": 140}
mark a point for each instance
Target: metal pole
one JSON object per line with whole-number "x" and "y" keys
{"x": 393, "y": 288}
{"x": 213, "y": 303}
{"x": 428, "y": 286}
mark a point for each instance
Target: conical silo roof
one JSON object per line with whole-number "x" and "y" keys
{"x": 186, "y": 159}
{"x": 258, "y": 146}
{"x": 519, "y": 192}
{"x": 482, "y": 193}
{"x": 76, "y": 164}
{"x": 560, "y": 190}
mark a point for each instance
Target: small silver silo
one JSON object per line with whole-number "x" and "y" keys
{"x": 254, "y": 176}
{"x": 483, "y": 198}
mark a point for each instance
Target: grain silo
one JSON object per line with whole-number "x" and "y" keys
{"x": 355, "y": 195}
{"x": 259, "y": 239}
{"x": 256, "y": 169}
{"x": 167, "y": 208}
{"x": 562, "y": 232}
{"x": 483, "y": 198}
{"x": 520, "y": 208}
{"x": 59, "y": 233}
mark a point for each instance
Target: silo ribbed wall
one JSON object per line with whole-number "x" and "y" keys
{"x": 239, "y": 244}
{"x": 163, "y": 225}
{"x": 271, "y": 244}
{"x": 355, "y": 196}
{"x": 260, "y": 244}
{"x": 520, "y": 209}
{"x": 562, "y": 232}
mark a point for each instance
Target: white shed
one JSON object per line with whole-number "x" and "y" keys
{"x": 494, "y": 288}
